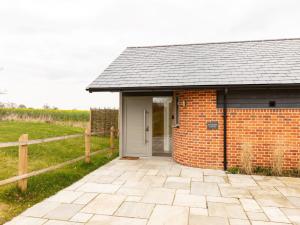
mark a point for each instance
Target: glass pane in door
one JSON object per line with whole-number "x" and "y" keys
{"x": 162, "y": 126}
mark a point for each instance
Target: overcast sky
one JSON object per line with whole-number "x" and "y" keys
{"x": 51, "y": 50}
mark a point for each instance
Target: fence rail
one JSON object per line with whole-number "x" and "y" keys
{"x": 39, "y": 141}
{"x": 23, "y": 143}
{"x": 48, "y": 169}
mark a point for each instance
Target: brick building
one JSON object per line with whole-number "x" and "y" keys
{"x": 206, "y": 104}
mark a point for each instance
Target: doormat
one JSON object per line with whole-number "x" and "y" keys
{"x": 130, "y": 158}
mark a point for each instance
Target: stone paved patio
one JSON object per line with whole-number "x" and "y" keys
{"x": 158, "y": 191}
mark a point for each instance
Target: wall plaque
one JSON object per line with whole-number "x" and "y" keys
{"x": 212, "y": 125}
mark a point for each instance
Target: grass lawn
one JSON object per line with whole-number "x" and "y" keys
{"x": 12, "y": 202}
{"x": 11, "y": 130}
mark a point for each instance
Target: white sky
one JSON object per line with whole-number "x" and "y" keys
{"x": 51, "y": 50}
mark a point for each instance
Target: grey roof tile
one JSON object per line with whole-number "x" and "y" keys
{"x": 228, "y": 63}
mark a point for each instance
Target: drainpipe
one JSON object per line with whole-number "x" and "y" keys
{"x": 225, "y": 128}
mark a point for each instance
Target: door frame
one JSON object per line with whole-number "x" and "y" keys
{"x": 122, "y": 111}
{"x": 124, "y": 127}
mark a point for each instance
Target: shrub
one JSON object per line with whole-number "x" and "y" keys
{"x": 246, "y": 158}
{"x": 233, "y": 170}
{"x": 298, "y": 166}
{"x": 278, "y": 155}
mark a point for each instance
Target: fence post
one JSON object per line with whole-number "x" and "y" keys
{"x": 23, "y": 161}
{"x": 87, "y": 138}
{"x": 112, "y": 144}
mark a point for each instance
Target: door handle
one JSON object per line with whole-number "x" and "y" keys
{"x": 145, "y": 126}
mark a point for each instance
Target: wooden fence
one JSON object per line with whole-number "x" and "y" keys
{"x": 103, "y": 119}
{"x": 24, "y": 142}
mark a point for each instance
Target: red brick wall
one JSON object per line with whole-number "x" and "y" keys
{"x": 193, "y": 144}
{"x": 264, "y": 129}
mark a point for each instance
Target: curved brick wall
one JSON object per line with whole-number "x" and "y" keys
{"x": 193, "y": 144}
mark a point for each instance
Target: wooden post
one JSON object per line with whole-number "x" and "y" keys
{"x": 23, "y": 161}
{"x": 112, "y": 144}
{"x": 87, "y": 138}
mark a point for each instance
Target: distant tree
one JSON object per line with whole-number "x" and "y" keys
{"x": 11, "y": 105}
{"x": 46, "y": 106}
{"x": 22, "y": 106}
{"x": 55, "y": 108}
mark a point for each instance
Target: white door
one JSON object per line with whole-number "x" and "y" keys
{"x": 138, "y": 126}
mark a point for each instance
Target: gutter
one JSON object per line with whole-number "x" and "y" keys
{"x": 225, "y": 128}
{"x": 171, "y": 88}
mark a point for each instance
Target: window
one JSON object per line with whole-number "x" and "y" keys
{"x": 176, "y": 111}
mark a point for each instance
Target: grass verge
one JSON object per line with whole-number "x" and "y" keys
{"x": 13, "y": 202}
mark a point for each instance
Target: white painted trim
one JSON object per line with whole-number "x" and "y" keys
{"x": 121, "y": 124}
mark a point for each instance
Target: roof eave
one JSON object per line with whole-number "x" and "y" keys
{"x": 171, "y": 88}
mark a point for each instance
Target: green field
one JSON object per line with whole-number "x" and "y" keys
{"x": 12, "y": 202}
{"x": 46, "y": 114}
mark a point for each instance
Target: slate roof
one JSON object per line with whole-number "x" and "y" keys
{"x": 264, "y": 62}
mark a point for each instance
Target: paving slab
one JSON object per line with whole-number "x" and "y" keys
{"x": 135, "y": 210}
{"x": 132, "y": 191}
{"x": 65, "y": 196}
{"x": 290, "y": 181}
{"x": 289, "y": 191}
{"x": 59, "y": 222}
{"x": 273, "y": 201}
{"x": 85, "y": 198}
{"x": 99, "y": 188}
{"x": 81, "y": 217}
{"x": 213, "y": 172}
{"x": 239, "y": 222}
{"x": 105, "y": 204}
{"x": 234, "y": 192}
{"x": 133, "y": 199}
{"x": 226, "y": 210}
{"x": 23, "y": 220}
{"x": 63, "y": 212}
{"x": 222, "y": 199}
{"x": 41, "y": 209}
{"x": 215, "y": 179}
{"x": 292, "y": 214}
{"x": 207, "y": 189}
{"x": 250, "y": 205}
{"x": 275, "y": 215}
{"x": 254, "y": 222}
{"x": 190, "y": 200}
{"x": 237, "y": 180}
{"x": 295, "y": 201}
{"x": 102, "y": 179}
{"x": 192, "y": 173}
{"x": 154, "y": 181}
{"x": 169, "y": 215}
{"x": 178, "y": 182}
{"x": 115, "y": 220}
{"x": 199, "y": 211}
{"x": 257, "y": 216}
{"x": 207, "y": 220}
{"x": 159, "y": 196}
{"x": 169, "y": 171}
{"x": 269, "y": 182}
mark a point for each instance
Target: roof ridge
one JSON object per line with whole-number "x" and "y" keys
{"x": 208, "y": 43}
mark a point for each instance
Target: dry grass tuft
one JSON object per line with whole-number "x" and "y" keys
{"x": 298, "y": 166}
{"x": 246, "y": 158}
{"x": 278, "y": 158}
